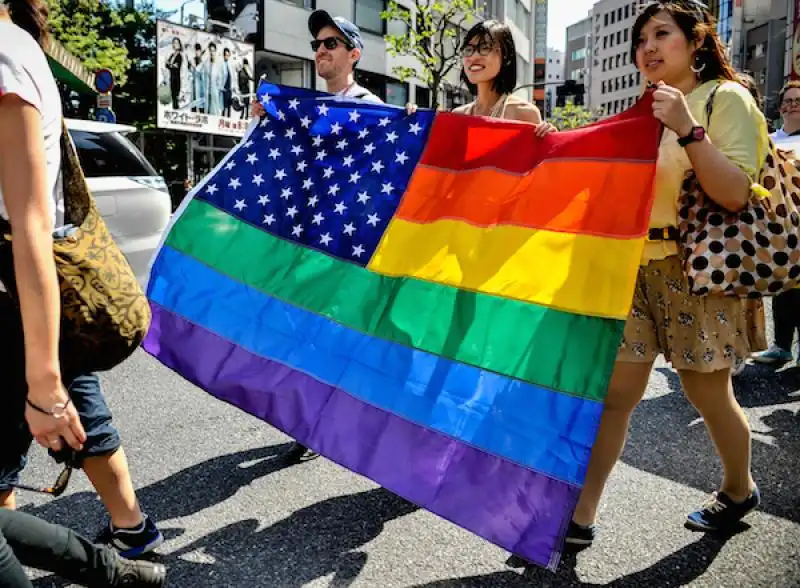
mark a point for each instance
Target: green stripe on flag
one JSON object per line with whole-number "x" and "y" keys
{"x": 566, "y": 352}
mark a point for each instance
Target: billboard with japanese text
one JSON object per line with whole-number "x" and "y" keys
{"x": 205, "y": 81}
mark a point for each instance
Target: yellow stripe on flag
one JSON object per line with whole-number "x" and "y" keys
{"x": 574, "y": 273}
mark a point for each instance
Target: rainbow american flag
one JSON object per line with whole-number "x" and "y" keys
{"x": 433, "y": 301}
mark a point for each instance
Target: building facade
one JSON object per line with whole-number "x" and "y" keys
{"x": 578, "y": 55}
{"x": 615, "y": 82}
{"x": 285, "y": 57}
{"x": 554, "y": 77}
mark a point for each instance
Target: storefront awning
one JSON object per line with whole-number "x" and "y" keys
{"x": 68, "y": 69}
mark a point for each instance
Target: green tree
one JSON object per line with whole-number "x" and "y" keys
{"x": 572, "y": 117}
{"x": 433, "y": 39}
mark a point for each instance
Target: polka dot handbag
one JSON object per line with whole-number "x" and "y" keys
{"x": 752, "y": 253}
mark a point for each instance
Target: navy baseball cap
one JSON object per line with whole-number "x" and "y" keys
{"x": 320, "y": 19}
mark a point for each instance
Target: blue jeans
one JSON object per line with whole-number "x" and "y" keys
{"x": 15, "y": 438}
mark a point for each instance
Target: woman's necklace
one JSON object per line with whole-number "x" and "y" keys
{"x": 495, "y": 112}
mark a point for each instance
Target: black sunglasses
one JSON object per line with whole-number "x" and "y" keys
{"x": 330, "y": 43}
{"x": 60, "y": 485}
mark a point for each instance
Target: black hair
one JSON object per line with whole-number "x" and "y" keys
{"x": 793, "y": 85}
{"x": 179, "y": 42}
{"x": 226, "y": 50}
{"x": 198, "y": 47}
{"x": 495, "y": 33}
{"x": 30, "y": 15}
{"x": 695, "y": 21}
{"x": 212, "y": 44}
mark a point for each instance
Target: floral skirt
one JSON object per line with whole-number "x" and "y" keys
{"x": 694, "y": 333}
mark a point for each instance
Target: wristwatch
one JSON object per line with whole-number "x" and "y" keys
{"x": 58, "y": 410}
{"x": 696, "y": 134}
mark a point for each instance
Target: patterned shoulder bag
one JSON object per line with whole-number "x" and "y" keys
{"x": 104, "y": 312}
{"x": 752, "y": 253}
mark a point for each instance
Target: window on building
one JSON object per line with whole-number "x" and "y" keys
{"x": 423, "y": 97}
{"x": 619, "y": 58}
{"x": 760, "y": 50}
{"x": 368, "y": 16}
{"x": 619, "y": 37}
{"x": 603, "y": 87}
{"x": 284, "y": 70}
{"x": 396, "y": 93}
{"x": 605, "y": 19}
{"x": 605, "y": 42}
{"x": 625, "y": 36}
{"x": 627, "y": 13}
{"x": 523, "y": 19}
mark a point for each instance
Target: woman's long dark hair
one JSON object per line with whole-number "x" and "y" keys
{"x": 695, "y": 21}
{"x": 30, "y": 15}
{"x": 495, "y": 33}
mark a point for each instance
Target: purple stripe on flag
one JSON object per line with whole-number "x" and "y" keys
{"x": 518, "y": 509}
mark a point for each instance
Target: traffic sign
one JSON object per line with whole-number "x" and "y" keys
{"x": 105, "y": 115}
{"x": 103, "y": 81}
{"x": 104, "y": 101}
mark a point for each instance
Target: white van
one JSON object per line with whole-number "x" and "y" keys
{"x": 132, "y": 198}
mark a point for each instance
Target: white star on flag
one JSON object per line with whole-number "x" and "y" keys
{"x": 358, "y": 251}
{"x": 280, "y": 174}
{"x": 318, "y": 218}
{"x": 240, "y": 205}
{"x": 349, "y": 229}
{"x": 296, "y": 149}
{"x": 415, "y": 129}
{"x": 269, "y": 135}
{"x": 363, "y": 197}
{"x": 252, "y": 158}
{"x": 265, "y": 99}
{"x": 234, "y": 183}
{"x": 301, "y": 166}
{"x": 348, "y": 161}
{"x": 362, "y": 134}
{"x": 286, "y": 193}
{"x": 373, "y": 219}
{"x": 281, "y": 116}
{"x": 297, "y": 230}
{"x": 321, "y": 155}
{"x": 334, "y": 190}
{"x": 290, "y": 133}
{"x": 307, "y": 183}
{"x": 294, "y": 103}
{"x": 387, "y": 188}
{"x": 354, "y": 177}
{"x": 339, "y": 208}
{"x": 305, "y": 122}
{"x": 274, "y": 154}
{"x": 291, "y": 211}
{"x": 248, "y": 144}
{"x": 322, "y": 109}
{"x": 369, "y": 148}
{"x": 336, "y": 128}
{"x": 327, "y": 172}
{"x": 316, "y": 141}
{"x": 268, "y": 219}
{"x": 230, "y": 165}
{"x": 401, "y": 158}
{"x": 391, "y": 137}
{"x": 325, "y": 239}
{"x": 384, "y": 121}
{"x": 377, "y": 166}
{"x": 342, "y": 144}
{"x": 263, "y": 200}
{"x": 354, "y": 116}
{"x": 258, "y": 180}
{"x": 312, "y": 202}
{"x": 264, "y": 122}
{"x": 212, "y": 189}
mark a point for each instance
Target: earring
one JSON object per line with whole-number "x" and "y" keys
{"x": 695, "y": 68}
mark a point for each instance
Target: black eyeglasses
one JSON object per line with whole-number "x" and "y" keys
{"x": 791, "y": 102}
{"x": 482, "y": 49}
{"x": 60, "y": 485}
{"x": 330, "y": 43}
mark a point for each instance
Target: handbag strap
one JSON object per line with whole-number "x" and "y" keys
{"x": 710, "y": 105}
{"x": 77, "y": 198}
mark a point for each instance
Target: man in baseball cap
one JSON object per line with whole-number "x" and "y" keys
{"x": 337, "y": 47}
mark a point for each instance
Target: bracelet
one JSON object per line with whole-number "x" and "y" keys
{"x": 56, "y": 412}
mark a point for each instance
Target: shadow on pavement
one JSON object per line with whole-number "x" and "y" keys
{"x": 311, "y": 543}
{"x": 677, "y": 569}
{"x": 683, "y": 452}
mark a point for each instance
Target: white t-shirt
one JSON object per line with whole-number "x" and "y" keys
{"x": 24, "y": 71}
{"x": 360, "y": 92}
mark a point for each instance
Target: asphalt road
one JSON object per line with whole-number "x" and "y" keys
{"x": 235, "y": 517}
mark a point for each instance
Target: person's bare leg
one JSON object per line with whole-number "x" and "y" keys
{"x": 8, "y": 499}
{"x": 712, "y": 396}
{"x": 625, "y": 390}
{"x": 110, "y": 476}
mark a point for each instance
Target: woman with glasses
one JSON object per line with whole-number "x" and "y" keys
{"x": 65, "y": 412}
{"x": 676, "y": 47}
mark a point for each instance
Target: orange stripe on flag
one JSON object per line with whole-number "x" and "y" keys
{"x": 610, "y": 199}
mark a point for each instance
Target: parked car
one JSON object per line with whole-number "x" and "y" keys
{"x": 132, "y": 198}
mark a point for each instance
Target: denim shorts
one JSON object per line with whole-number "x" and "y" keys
{"x": 85, "y": 391}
